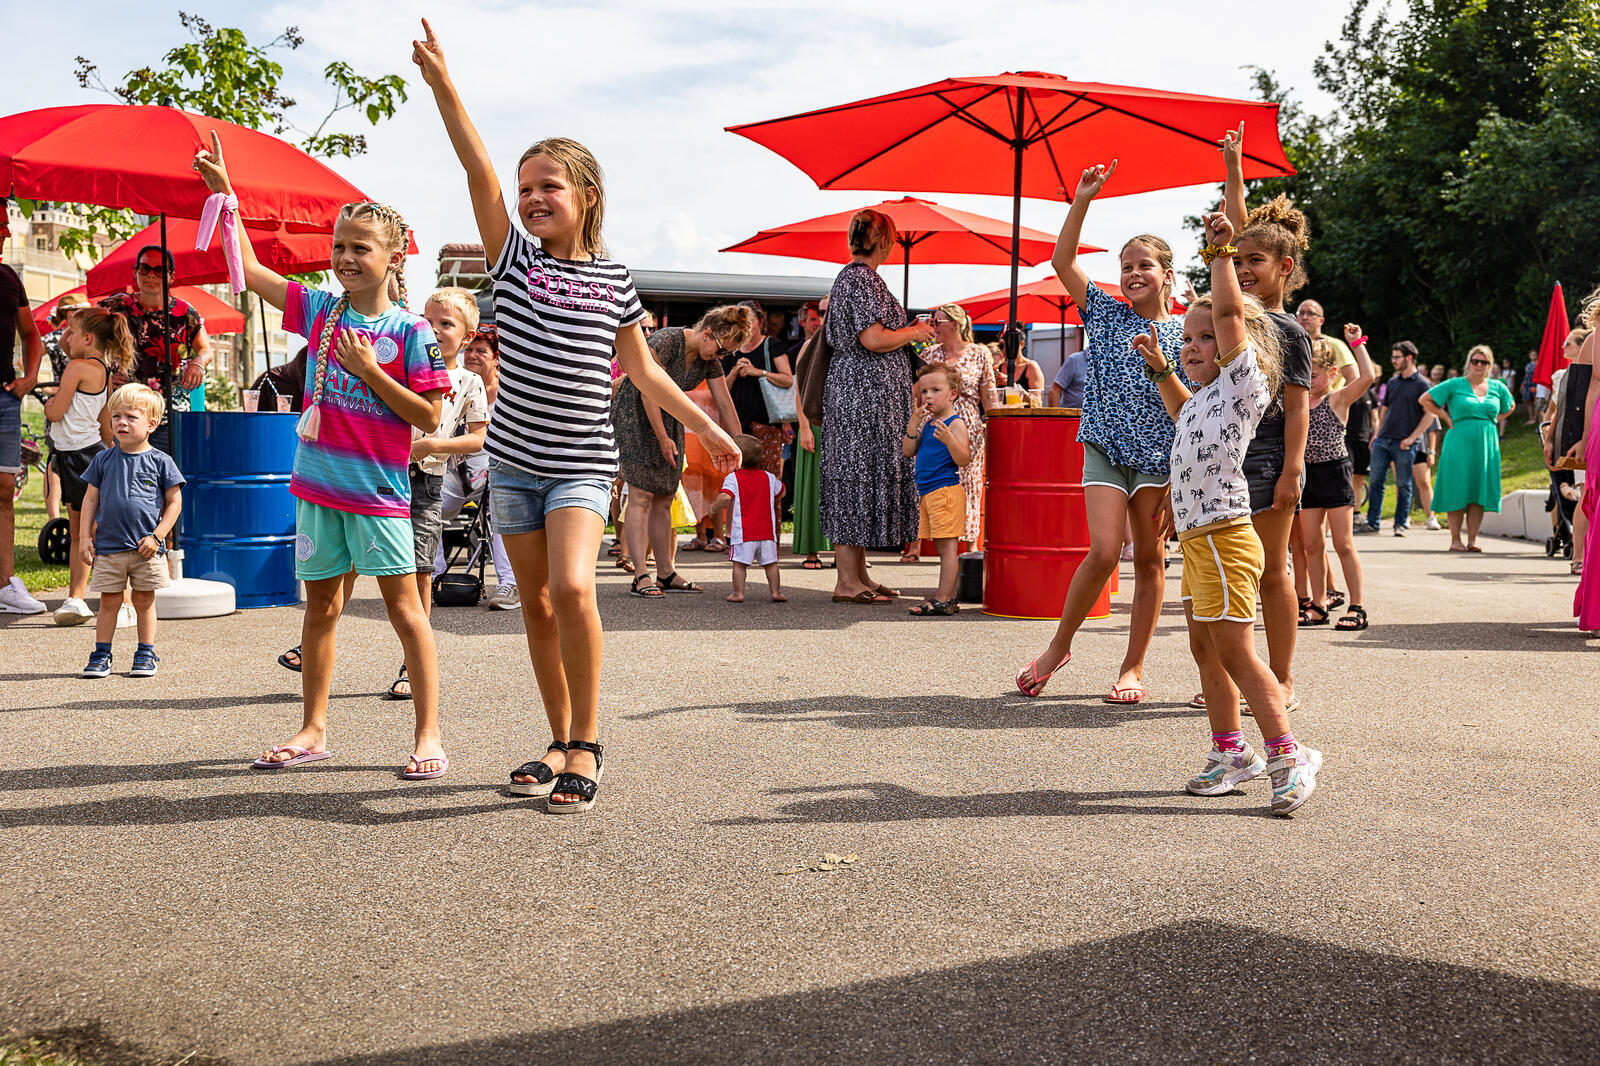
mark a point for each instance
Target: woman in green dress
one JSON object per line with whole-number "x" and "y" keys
{"x": 808, "y": 539}
{"x": 1468, "y": 480}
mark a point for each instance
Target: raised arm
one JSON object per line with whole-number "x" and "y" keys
{"x": 1065, "y": 260}
{"x": 1174, "y": 393}
{"x": 1233, "y": 184}
{"x": 1366, "y": 373}
{"x": 267, "y": 284}
{"x": 1227, "y": 299}
{"x": 488, "y": 202}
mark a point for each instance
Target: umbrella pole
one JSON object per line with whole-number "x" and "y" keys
{"x": 1017, "y": 146}
{"x": 905, "y": 286}
{"x": 166, "y": 361}
{"x": 266, "y": 339}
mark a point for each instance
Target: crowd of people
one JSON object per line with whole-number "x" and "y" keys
{"x": 1239, "y": 430}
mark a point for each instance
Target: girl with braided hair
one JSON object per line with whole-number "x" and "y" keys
{"x": 375, "y": 374}
{"x": 561, "y": 308}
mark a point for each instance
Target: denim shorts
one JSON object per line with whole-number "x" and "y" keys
{"x": 520, "y": 500}
{"x": 10, "y": 432}
{"x": 427, "y": 516}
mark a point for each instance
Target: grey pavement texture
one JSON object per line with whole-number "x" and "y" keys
{"x": 1033, "y": 885}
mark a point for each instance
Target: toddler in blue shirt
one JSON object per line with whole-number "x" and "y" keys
{"x": 938, "y": 438}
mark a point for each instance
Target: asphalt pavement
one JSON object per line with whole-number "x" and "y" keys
{"x": 1030, "y": 883}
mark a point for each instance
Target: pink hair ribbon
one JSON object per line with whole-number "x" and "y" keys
{"x": 226, "y": 207}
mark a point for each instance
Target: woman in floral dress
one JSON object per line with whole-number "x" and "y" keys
{"x": 953, "y": 344}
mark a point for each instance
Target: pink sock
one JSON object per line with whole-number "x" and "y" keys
{"x": 1284, "y": 745}
{"x": 1233, "y": 741}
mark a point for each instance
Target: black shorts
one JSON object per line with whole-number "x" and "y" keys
{"x": 1262, "y": 468}
{"x": 427, "y": 517}
{"x": 1360, "y": 455}
{"x": 1328, "y": 485}
{"x": 69, "y": 467}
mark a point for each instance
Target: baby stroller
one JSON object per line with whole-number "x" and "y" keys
{"x": 466, "y": 552}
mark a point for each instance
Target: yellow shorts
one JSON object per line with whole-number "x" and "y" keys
{"x": 1222, "y": 567}
{"x": 943, "y": 514}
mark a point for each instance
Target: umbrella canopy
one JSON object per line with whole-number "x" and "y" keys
{"x": 219, "y": 317}
{"x": 1027, "y": 134}
{"x": 62, "y": 153}
{"x": 1556, "y": 327}
{"x": 286, "y": 249}
{"x": 1042, "y": 301}
{"x": 930, "y": 232}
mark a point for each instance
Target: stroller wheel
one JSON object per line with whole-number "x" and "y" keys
{"x": 1566, "y": 550}
{"x": 55, "y": 542}
{"x": 1550, "y": 547}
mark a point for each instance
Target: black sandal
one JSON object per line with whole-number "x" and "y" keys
{"x": 1354, "y": 619}
{"x": 283, "y": 660}
{"x": 935, "y": 608}
{"x": 543, "y": 776}
{"x": 1335, "y": 599}
{"x": 393, "y": 695}
{"x": 577, "y": 784}
{"x": 665, "y": 584}
{"x": 648, "y": 591}
{"x": 1307, "y": 618}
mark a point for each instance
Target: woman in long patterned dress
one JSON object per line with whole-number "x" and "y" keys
{"x": 869, "y": 490}
{"x": 953, "y": 344}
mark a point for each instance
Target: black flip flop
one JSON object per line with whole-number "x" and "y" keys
{"x": 283, "y": 660}
{"x": 393, "y": 695}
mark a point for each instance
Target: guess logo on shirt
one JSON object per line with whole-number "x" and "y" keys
{"x": 565, "y": 292}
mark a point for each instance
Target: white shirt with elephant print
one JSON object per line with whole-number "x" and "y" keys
{"x": 1214, "y": 428}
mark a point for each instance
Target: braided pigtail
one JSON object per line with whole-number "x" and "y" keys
{"x": 311, "y": 420}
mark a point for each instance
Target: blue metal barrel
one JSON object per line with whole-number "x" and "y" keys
{"x": 238, "y": 516}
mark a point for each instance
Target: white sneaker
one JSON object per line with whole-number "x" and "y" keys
{"x": 1433, "y": 522}
{"x": 15, "y": 599}
{"x": 127, "y": 617}
{"x": 505, "y": 598}
{"x": 73, "y": 612}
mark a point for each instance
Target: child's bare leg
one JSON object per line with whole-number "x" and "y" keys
{"x": 1149, "y": 581}
{"x": 1236, "y": 649}
{"x": 530, "y": 564}
{"x": 774, "y": 585}
{"x": 1315, "y": 585}
{"x": 77, "y": 569}
{"x": 949, "y": 558}
{"x": 425, "y": 594}
{"x": 1341, "y": 519}
{"x": 144, "y": 606}
{"x": 1279, "y": 610}
{"x": 411, "y": 625}
{"x": 1298, "y": 541}
{"x": 572, "y": 538}
{"x": 324, "y": 602}
{"x": 105, "y": 623}
{"x": 1107, "y": 511}
{"x": 738, "y": 583}
{"x": 1222, "y": 698}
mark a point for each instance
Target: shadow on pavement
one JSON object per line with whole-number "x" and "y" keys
{"x": 1196, "y": 991}
{"x": 879, "y": 801}
{"x": 188, "y": 703}
{"x": 101, "y": 774}
{"x": 1475, "y": 636}
{"x": 335, "y": 808}
{"x": 1013, "y": 711}
{"x": 1502, "y": 577}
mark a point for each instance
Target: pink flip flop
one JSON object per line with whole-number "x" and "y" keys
{"x": 1130, "y": 694}
{"x": 1029, "y": 681}
{"x": 301, "y": 755}
{"x": 413, "y": 775}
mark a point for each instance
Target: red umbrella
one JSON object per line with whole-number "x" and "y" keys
{"x": 286, "y": 249}
{"x": 1556, "y": 328}
{"x": 138, "y": 157}
{"x": 219, "y": 317}
{"x": 1045, "y": 300}
{"x": 1028, "y": 134}
{"x": 938, "y": 234}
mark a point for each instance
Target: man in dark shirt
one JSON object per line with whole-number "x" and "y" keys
{"x": 15, "y": 318}
{"x": 1402, "y": 423}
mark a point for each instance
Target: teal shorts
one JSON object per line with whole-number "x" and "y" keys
{"x": 1098, "y": 469}
{"x": 330, "y": 543}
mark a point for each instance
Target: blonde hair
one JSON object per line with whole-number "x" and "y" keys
{"x": 1283, "y": 230}
{"x": 110, "y": 330}
{"x": 67, "y": 304}
{"x": 392, "y": 231}
{"x": 140, "y": 397}
{"x": 1323, "y": 355}
{"x": 952, "y": 376}
{"x": 461, "y": 301}
{"x": 583, "y": 170}
{"x": 960, "y": 317}
{"x": 1262, "y": 335}
{"x": 1163, "y": 252}
{"x": 730, "y": 325}
{"x": 1479, "y": 349}
{"x": 871, "y": 230}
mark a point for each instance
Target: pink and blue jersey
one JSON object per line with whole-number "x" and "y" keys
{"x": 358, "y": 462}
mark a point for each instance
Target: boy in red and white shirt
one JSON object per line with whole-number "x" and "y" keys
{"x": 752, "y": 494}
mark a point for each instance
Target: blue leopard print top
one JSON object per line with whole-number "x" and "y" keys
{"x": 1123, "y": 414}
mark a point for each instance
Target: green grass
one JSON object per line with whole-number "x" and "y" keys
{"x": 18, "y": 1051}
{"x": 30, "y": 518}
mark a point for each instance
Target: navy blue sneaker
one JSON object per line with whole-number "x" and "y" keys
{"x": 99, "y": 664}
{"x": 144, "y": 663}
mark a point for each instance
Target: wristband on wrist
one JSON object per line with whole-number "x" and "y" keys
{"x": 1216, "y": 251}
{"x": 1359, "y": 341}
{"x": 1159, "y": 376}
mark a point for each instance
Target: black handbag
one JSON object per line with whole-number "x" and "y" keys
{"x": 452, "y": 589}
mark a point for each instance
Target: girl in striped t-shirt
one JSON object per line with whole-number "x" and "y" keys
{"x": 561, "y": 309}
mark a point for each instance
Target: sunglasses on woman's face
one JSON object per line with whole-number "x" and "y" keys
{"x": 1478, "y": 362}
{"x": 941, "y": 320}
{"x": 488, "y": 331}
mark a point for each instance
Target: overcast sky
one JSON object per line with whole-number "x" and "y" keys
{"x": 650, "y": 84}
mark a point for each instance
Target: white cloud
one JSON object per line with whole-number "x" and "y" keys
{"x": 650, "y": 86}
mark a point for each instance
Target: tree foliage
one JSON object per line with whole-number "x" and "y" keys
{"x": 1449, "y": 188}
{"x": 219, "y": 72}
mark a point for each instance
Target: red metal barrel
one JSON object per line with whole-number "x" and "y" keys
{"x": 1035, "y": 532}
